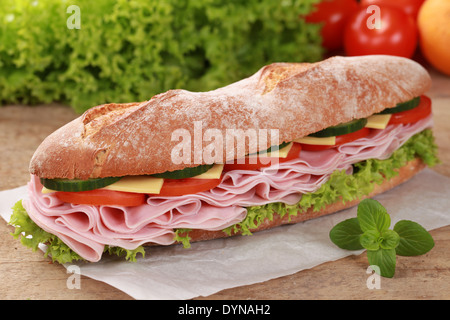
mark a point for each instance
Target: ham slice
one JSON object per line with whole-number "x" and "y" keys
{"x": 87, "y": 229}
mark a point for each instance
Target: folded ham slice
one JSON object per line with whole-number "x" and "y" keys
{"x": 87, "y": 229}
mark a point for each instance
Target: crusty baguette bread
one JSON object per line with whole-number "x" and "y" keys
{"x": 295, "y": 98}
{"x": 404, "y": 173}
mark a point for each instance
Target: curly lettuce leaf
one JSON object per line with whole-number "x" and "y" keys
{"x": 130, "y": 50}
{"x": 129, "y": 255}
{"x": 182, "y": 236}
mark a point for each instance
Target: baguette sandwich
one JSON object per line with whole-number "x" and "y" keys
{"x": 292, "y": 142}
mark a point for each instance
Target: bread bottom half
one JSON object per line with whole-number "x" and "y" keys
{"x": 404, "y": 173}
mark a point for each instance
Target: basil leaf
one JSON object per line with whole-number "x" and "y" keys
{"x": 414, "y": 239}
{"x": 385, "y": 259}
{"x": 389, "y": 239}
{"x": 370, "y": 240}
{"x": 346, "y": 234}
{"x": 373, "y": 216}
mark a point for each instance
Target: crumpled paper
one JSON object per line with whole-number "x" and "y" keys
{"x": 211, "y": 266}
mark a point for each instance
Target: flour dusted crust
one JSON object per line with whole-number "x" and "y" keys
{"x": 404, "y": 173}
{"x": 295, "y": 98}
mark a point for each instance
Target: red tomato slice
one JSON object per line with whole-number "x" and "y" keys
{"x": 420, "y": 112}
{"x": 102, "y": 197}
{"x": 339, "y": 140}
{"x": 262, "y": 162}
{"x": 180, "y": 187}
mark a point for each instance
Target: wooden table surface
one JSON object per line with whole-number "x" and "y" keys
{"x": 28, "y": 275}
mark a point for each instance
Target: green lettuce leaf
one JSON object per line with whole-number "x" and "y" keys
{"x": 182, "y": 236}
{"x": 130, "y": 50}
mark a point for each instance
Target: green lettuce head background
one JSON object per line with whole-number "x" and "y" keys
{"x": 129, "y": 50}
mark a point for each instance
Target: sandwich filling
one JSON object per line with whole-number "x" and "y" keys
{"x": 88, "y": 229}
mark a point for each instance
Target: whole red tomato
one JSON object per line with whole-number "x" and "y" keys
{"x": 410, "y": 7}
{"x": 333, "y": 14}
{"x": 397, "y": 35}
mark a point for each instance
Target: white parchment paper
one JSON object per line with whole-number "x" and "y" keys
{"x": 211, "y": 266}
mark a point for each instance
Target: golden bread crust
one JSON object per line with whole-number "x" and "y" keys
{"x": 295, "y": 98}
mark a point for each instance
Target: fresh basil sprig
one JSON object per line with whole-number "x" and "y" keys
{"x": 370, "y": 230}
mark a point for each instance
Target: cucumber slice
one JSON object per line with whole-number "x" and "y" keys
{"x": 341, "y": 129}
{"x": 195, "y": 171}
{"x": 184, "y": 173}
{"x": 281, "y": 146}
{"x": 75, "y": 185}
{"x": 408, "y": 105}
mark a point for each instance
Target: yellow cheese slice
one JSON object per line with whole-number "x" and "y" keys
{"x": 214, "y": 173}
{"x": 150, "y": 185}
{"x": 327, "y": 141}
{"x": 137, "y": 184}
{"x": 378, "y": 121}
{"x": 282, "y": 153}
{"x": 46, "y": 190}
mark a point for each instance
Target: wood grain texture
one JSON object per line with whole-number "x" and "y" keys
{"x": 28, "y": 275}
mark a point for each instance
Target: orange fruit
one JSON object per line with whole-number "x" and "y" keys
{"x": 434, "y": 27}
